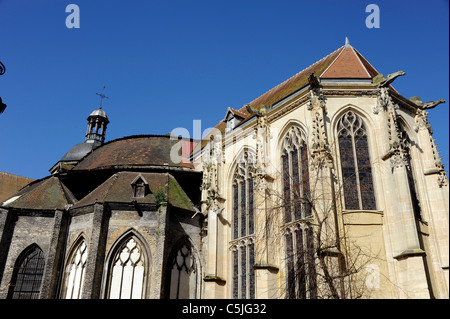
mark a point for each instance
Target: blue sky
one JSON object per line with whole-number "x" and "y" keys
{"x": 167, "y": 63}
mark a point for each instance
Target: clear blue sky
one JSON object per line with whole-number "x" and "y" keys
{"x": 167, "y": 63}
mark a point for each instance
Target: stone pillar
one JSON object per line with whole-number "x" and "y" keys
{"x": 52, "y": 273}
{"x": 212, "y": 206}
{"x": 7, "y": 221}
{"x": 214, "y": 281}
{"x": 407, "y": 249}
{"x": 409, "y": 244}
{"x": 96, "y": 252}
{"x": 437, "y": 205}
{"x": 157, "y": 291}
{"x": 266, "y": 268}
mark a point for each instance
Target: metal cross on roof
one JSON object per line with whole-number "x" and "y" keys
{"x": 102, "y": 96}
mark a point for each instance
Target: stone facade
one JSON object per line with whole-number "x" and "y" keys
{"x": 327, "y": 186}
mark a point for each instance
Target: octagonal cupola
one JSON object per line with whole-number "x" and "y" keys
{"x": 97, "y": 123}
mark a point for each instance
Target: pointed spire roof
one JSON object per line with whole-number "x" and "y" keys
{"x": 347, "y": 42}
{"x": 348, "y": 65}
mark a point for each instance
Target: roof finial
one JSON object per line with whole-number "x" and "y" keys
{"x": 102, "y": 96}
{"x": 347, "y": 43}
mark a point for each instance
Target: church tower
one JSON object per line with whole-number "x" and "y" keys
{"x": 95, "y": 137}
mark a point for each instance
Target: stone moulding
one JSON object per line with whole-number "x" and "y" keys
{"x": 410, "y": 253}
{"x": 269, "y": 267}
{"x": 363, "y": 217}
{"x": 214, "y": 278}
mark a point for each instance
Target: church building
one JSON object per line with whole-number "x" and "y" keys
{"x": 329, "y": 185}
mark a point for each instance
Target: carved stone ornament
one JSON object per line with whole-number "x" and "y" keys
{"x": 421, "y": 120}
{"x": 320, "y": 152}
{"x": 399, "y": 159}
{"x": 442, "y": 179}
{"x": 316, "y": 99}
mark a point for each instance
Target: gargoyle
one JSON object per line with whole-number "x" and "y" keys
{"x": 263, "y": 110}
{"x": 2, "y": 68}
{"x": 313, "y": 80}
{"x": 427, "y": 105}
{"x": 381, "y": 81}
{"x": 2, "y": 106}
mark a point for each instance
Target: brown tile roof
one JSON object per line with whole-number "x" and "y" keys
{"x": 294, "y": 83}
{"x": 118, "y": 189}
{"x": 236, "y": 112}
{"x": 45, "y": 194}
{"x": 10, "y": 184}
{"x": 140, "y": 150}
{"x": 349, "y": 64}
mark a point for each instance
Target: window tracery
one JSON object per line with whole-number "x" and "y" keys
{"x": 183, "y": 278}
{"x": 76, "y": 270}
{"x": 356, "y": 168}
{"x": 127, "y": 273}
{"x": 243, "y": 248}
{"x": 298, "y": 233}
{"x": 27, "y": 275}
{"x": 295, "y": 174}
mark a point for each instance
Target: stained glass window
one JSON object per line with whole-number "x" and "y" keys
{"x": 290, "y": 270}
{"x": 295, "y": 173}
{"x": 27, "y": 275}
{"x": 235, "y": 211}
{"x": 355, "y": 163}
{"x": 235, "y": 274}
{"x": 243, "y": 272}
{"x": 300, "y": 277}
{"x": 243, "y": 255}
{"x": 300, "y": 262}
{"x": 75, "y": 271}
{"x": 251, "y": 248}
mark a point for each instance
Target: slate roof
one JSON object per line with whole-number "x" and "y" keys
{"x": 118, "y": 189}
{"x": 78, "y": 151}
{"x": 132, "y": 151}
{"x": 45, "y": 194}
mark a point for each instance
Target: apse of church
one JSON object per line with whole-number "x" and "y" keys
{"x": 329, "y": 185}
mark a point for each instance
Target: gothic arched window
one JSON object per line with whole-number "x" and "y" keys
{"x": 75, "y": 271}
{"x": 128, "y": 271}
{"x": 27, "y": 275}
{"x": 295, "y": 170}
{"x": 183, "y": 276}
{"x": 355, "y": 163}
{"x": 300, "y": 262}
{"x": 299, "y": 241}
{"x": 243, "y": 255}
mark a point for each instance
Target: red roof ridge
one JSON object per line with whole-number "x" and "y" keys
{"x": 297, "y": 75}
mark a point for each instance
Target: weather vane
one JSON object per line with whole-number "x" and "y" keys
{"x": 2, "y": 71}
{"x": 102, "y": 96}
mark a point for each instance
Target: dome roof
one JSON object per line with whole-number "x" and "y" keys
{"x": 99, "y": 112}
{"x": 79, "y": 151}
{"x": 137, "y": 151}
